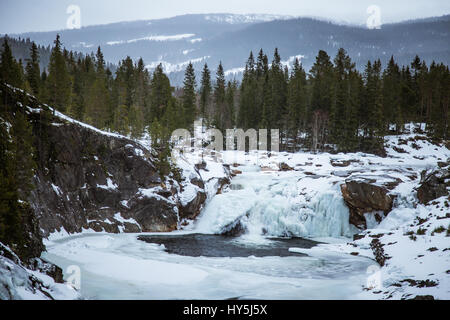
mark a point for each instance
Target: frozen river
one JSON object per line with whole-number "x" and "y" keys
{"x": 123, "y": 267}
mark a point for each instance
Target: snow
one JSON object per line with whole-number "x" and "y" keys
{"x": 119, "y": 218}
{"x": 56, "y": 189}
{"x": 289, "y": 63}
{"x": 234, "y": 71}
{"x": 169, "y": 67}
{"x": 19, "y": 283}
{"x": 82, "y": 44}
{"x": 245, "y": 18}
{"x": 110, "y": 185}
{"x": 158, "y": 38}
{"x": 185, "y": 52}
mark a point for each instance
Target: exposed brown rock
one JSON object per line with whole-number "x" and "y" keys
{"x": 362, "y": 197}
{"x": 434, "y": 185}
{"x": 285, "y": 167}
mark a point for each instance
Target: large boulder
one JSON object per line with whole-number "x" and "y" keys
{"x": 434, "y": 184}
{"x": 362, "y": 197}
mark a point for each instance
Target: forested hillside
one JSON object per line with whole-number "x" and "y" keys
{"x": 331, "y": 107}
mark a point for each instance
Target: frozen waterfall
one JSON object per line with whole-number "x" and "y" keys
{"x": 278, "y": 204}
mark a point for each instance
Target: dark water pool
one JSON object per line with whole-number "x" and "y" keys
{"x": 196, "y": 245}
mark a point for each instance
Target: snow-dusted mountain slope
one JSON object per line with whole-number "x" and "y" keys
{"x": 229, "y": 38}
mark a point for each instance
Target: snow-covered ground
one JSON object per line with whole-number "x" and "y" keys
{"x": 305, "y": 201}
{"x": 20, "y": 283}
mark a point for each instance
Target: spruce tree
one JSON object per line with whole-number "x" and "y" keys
{"x": 10, "y": 69}
{"x": 297, "y": 99}
{"x": 205, "y": 92}
{"x": 219, "y": 98}
{"x": 161, "y": 93}
{"x": 58, "y": 81}
{"x": 230, "y": 92}
{"x": 189, "y": 96}
{"x": 33, "y": 73}
{"x": 248, "y": 115}
{"x": 392, "y": 96}
{"x": 322, "y": 79}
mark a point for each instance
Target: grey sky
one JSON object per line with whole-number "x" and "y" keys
{"x": 18, "y": 16}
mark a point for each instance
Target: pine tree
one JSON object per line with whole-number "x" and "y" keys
{"x": 373, "y": 108}
{"x": 248, "y": 116}
{"x": 205, "y": 92}
{"x": 16, "y": 172}
{"x": 391, "y": 96}
{"x": 33, "y": 72}
{"x": 230, "y": 92}
{"x": 322, "y": 98}
{"x": 343, "y": 112}
{"x": 297, "y": 99}
{"x": 161, "y": 93}
{"x": 10, "y": 69}
{"x": 219, "y": 98}
{"x": 23, "y": 154}
{"x": 97, "y": 96}
{"x": 121, "y": 122}
{"x": 189, "y": 96}
{"x": 278, "y": 85}
{"x": 58, "y": 81}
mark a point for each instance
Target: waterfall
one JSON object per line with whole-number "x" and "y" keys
{"x": 278, "y": 204}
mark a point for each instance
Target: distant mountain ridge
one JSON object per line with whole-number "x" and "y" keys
{"x": 228, "y": 38}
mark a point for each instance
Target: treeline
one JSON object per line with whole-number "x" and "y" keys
{"x": 17, "y": 168}
{"x": 333, "y": 107}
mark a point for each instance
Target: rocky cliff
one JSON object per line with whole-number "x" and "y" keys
{"x": 91, "y": 179}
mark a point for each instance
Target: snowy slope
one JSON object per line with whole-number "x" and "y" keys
{"x": 19, "y": 283}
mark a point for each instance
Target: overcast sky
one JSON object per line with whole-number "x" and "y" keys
{"x": 18, "y": 16}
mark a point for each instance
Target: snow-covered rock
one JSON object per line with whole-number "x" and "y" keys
{"x": 17, "y": 282}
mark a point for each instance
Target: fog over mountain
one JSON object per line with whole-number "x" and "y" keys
{"x": 211, "y": 38}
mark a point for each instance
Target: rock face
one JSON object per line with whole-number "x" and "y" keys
{"x": 434, "y": 184}
{"x": 362, "y": 197}
{"x": 90, "y": 179}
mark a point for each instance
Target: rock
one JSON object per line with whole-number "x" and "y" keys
{"x": 358, "y": 237}
{"x": 154, "y": 215}
{"x": 342, "y": 163}
{"x": 201, "y": 166}
{"x": 234, "y": 229}
{"x": 433, "y": 185}
{"x": 19, "y": 280}
{"x": 399, "y": 150}
{"x": 378, "y": 252}
{"x": 50, "y": 269}
{"x": 362, "y": 197}
{"x": 442, "y": 164}
{"x": 285, "y": 167}
{"x": 423, "y": 297}
{"x": 234, "y": 173}
{"x": 222, "y": 182}
{"x": 193, "y": 208}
